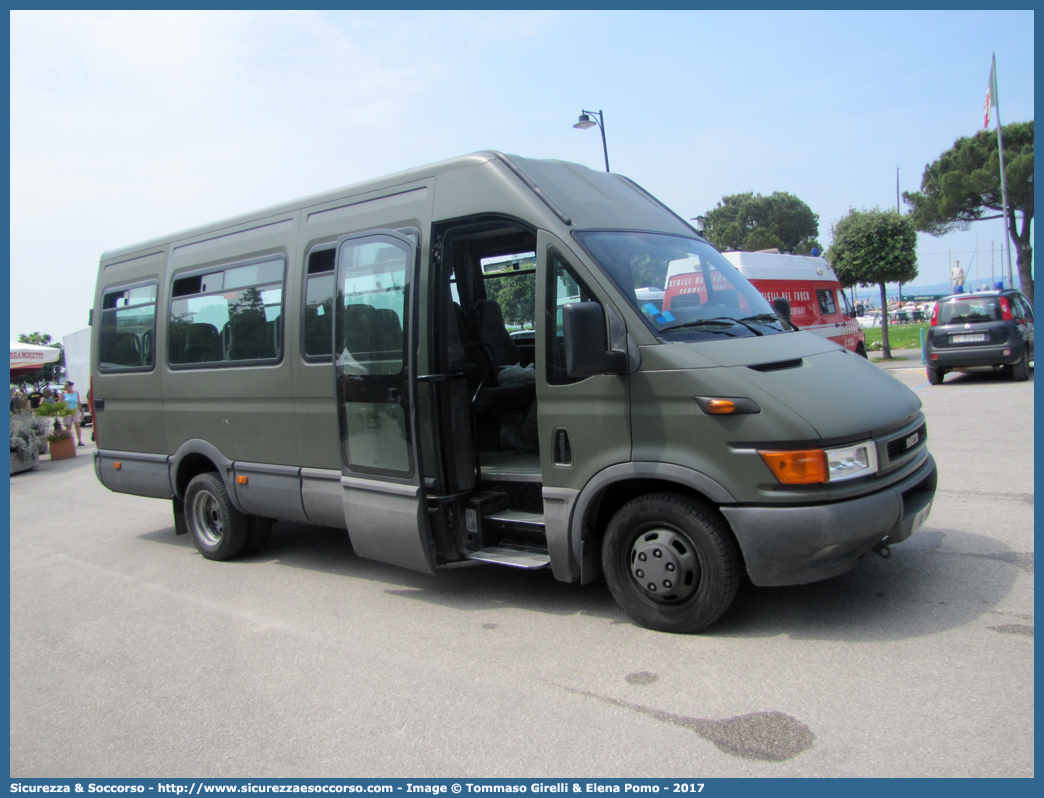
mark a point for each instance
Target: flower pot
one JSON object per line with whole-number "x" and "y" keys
{"x": 60, "y": 450}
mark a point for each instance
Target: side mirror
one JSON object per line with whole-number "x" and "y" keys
{"x": 860, "y": 311}
{"x": 782, "y": 307}
{"x": 583, "y": 326}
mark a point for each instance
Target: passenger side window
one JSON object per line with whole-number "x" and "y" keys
{"x": 128, "y": 329}
{"x": 229, "y": 316}
{"x": 826, "y": 302}
{"x": 563, "y": 288}
{"x": 317, "y": 334}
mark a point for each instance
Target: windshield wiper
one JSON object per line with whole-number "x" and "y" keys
{"x": 771, "y": 318}
{"x": 717, "y": 320}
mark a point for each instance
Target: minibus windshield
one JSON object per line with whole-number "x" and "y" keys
{"x": 704, "y": 296}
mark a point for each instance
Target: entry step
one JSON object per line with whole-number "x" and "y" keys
{"x": 518, "y": 517}
{"x": 515, "y": 557}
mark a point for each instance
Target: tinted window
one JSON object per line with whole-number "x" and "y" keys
{"x": 128, "y": 329}
{"x": 373, "y": 386}
{"x": 318, "y": 309}
{"x": 233, "y": 315}
{"x": 969, "y": 309}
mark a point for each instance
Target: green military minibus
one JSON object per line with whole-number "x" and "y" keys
{"x": 455, "y": 364}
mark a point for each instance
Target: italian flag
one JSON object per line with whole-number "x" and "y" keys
{"x": 991, "y": 96}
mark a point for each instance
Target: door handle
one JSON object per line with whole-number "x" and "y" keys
{"x": 561, "y": 451}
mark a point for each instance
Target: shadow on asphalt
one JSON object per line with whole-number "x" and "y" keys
{"x": 927, "y": 586}
{"x": 998, "y": 377}
{"x": 923, "y": 588}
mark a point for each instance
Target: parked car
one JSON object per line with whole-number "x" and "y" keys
{"x": 905, "y": 316}
{"x": 990, "y": 329}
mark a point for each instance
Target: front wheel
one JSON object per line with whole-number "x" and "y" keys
{"x": 218, "y": 529}
{"x": 671, "y": 562}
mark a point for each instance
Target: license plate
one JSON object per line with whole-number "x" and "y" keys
{"x": 922, "y": 516}
{"x": 968, "y": 339}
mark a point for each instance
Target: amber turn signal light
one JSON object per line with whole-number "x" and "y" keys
{"x": 720, "y": 407}
{"x": 804, "y": 467}
{"x": 117, "y": 465}
{"x": 241, "y": 480}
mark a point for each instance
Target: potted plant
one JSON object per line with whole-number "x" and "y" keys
{"x": 61, "y": 439}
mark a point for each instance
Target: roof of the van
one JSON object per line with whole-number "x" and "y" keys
{"x": 581, "y": 197}
{"x": 775, "y": 266}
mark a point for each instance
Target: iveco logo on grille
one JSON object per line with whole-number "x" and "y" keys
{"x": 900, "y": 446}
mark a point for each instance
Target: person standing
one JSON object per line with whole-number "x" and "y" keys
{"x": 72, "y": 398}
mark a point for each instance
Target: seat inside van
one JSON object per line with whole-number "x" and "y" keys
{"x": 491, "y": 270}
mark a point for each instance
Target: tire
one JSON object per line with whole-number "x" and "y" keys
{"x": 218, "y": 529}
{"x": 1020, "y": 370}
{"x": 259, "y": 530}
{"x": 935, "y": 376}
{"x": 861, "y": 351}
{"x": 676, "y": 535}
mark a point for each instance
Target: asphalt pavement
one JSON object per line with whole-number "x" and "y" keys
{"x": 131, "y": 655}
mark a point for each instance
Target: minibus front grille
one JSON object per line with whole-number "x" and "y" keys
{"x": 777, "y": 366}
{"x": 907, "y": 443}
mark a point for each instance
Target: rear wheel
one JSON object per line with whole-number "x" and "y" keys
{"x": 861, "y": 350}
{"x": 671, "y": 562}
{"x": 1020, "y": 370}
{"x": 935, "y": 376}
{"x": 218, "y": 529}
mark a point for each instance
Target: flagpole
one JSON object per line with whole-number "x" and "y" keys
{"x": 1000, "y": 152}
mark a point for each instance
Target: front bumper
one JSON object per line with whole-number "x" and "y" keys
{"x": 795, "y": 545}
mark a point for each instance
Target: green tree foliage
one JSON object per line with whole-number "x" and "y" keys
{"x": 964, "y": 182}
{"x": 751, "y": 222}
{"x": 516, "y": 295}
{"x": 874, "y": 247}
{"x": 51, "y": 372}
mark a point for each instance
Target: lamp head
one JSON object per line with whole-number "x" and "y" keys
{"x": 585, "y": 122}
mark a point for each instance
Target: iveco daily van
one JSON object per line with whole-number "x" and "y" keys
{"x": 348, "y": 360}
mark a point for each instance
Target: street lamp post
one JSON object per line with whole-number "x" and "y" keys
{"x": 585, "y": 122}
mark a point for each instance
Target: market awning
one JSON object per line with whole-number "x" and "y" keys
{"x": 26, "y": 358}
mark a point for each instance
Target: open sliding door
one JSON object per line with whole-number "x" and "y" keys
{"x": 384, "y": 500}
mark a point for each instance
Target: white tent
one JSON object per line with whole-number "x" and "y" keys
{"x": 26, "y": 358}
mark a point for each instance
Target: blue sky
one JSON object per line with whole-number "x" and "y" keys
{"x": 129, "y": 125}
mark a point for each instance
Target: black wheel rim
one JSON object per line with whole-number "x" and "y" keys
{"x": 663, "y": 565}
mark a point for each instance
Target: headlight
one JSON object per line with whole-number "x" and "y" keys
{"x": 849, "y": 462}
{"x": 814, "y": 466}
